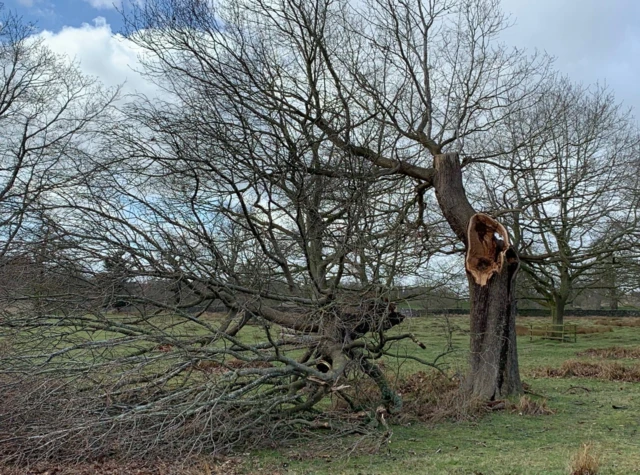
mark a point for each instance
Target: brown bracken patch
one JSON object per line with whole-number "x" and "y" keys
{"x": 608, "y": 371}
{"x": 522, "y": 330}
{"x": 433, "y": 397}
{"x": 589, "y": 330}
{"x": 426, "y": 397}
{"x": 613, "y": 352}
{"x": 619, "y": 322}
{"x": 240, "y": 364}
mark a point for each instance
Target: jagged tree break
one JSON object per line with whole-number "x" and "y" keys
{"x": 492, "y": 264}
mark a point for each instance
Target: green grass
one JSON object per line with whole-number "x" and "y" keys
{"x": 603, "y": 413}
{"x": 500, "y": 442}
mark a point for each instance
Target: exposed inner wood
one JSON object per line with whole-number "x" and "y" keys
{"x": 487, "y": 244}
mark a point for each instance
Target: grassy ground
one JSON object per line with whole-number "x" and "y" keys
{"x": 594, "y": 410}
{"x": 603, "y": 413}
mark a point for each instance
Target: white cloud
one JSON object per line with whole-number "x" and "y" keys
{"x": 104, "y": 4}
{"x": 26, "y": 3}
{"x": 102, "y": 54}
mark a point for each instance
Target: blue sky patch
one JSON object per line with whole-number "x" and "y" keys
{"x": 53, "y": 15}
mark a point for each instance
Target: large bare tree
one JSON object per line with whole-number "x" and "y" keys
{"x": 290, "y": 104}
{"x": 288, "y": 176}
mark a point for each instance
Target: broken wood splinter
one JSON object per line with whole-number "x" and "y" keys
{"x": 487, "y": 244}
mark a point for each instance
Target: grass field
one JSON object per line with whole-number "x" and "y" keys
{"x": 596, "y": 411}
{"x": 601, "y": 408}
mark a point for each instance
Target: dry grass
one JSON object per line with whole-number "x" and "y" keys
{"x": 608, "y": 371}
{"x": 591, "y": 330}
{"x": 213, "y": 316}
{"x": 426, "y": 397}
{"x": 531, "y": 407}
{"x": 522, "y": 330}
{"x": 584, "y": 462}
{"x": 433, "y": 397}
{"x": 619, "y": 322}
{"x": 215, "y": 367}
{"x": 613, "y": 352}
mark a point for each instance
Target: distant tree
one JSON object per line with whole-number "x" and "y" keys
{"x": 112, "y": 282}
{"x": 567, "y": 195}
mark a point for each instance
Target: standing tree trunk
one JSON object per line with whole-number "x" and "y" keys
{"x": 613, "y": 290}
{"x": 557, "y": 311}
{"x": 491, "y": 264}
{"x": 559, "y": 304}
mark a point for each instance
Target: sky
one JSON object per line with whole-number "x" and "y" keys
{"x": 53, "y": 15}
{"x": 592, "y": 41}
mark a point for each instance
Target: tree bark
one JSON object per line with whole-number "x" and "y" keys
{"x": 560, "y": 299}
{"x": 557, "y": 311}
{"x": 613, "y": 291}
{"x": 491, "y": 264}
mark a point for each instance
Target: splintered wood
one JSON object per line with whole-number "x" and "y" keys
{"x": 487, "y": 244}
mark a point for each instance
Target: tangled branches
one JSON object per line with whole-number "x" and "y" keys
{"x": 84, "y": 385}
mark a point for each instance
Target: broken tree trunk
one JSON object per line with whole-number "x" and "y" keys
{"x": 491, "y": 264}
